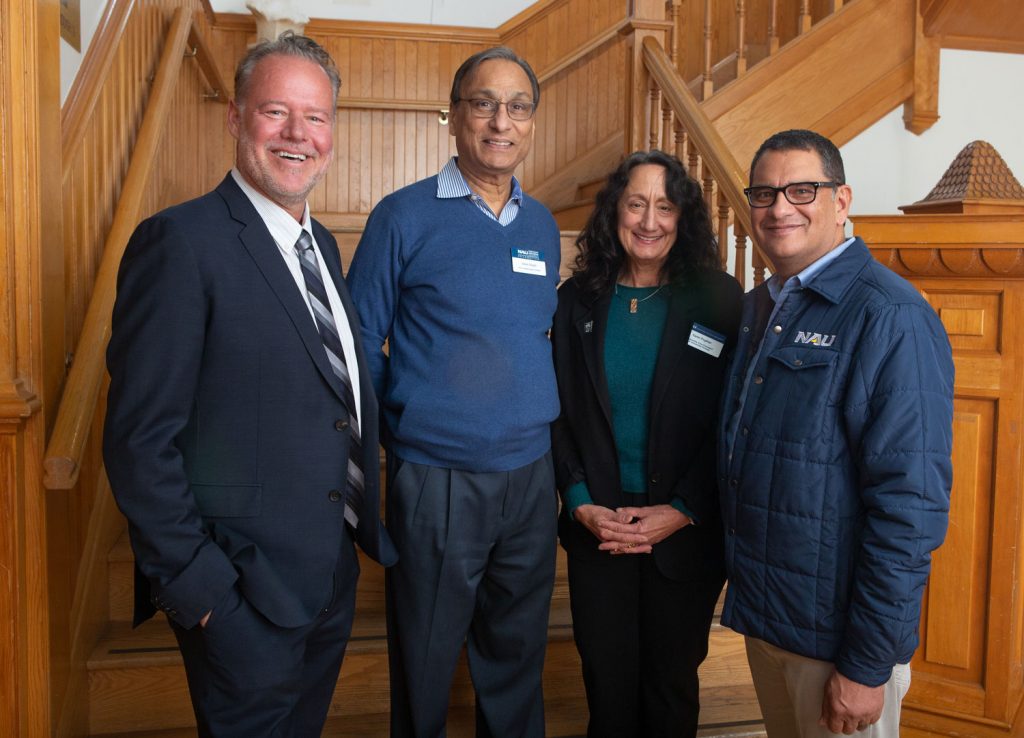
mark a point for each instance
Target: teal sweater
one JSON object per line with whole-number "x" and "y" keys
{"x": 631, "y": 345}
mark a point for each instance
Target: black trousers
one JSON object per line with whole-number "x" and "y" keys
{"x": 641, "y": 638}
{"x": 249, "y": 678}
{"x": 476, "y": 566}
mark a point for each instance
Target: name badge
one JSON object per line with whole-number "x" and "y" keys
{"x": 528, "y": 261}
{"x": 706, "y": 340}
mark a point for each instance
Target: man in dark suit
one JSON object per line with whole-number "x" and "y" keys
{"x": 241, "y": 416}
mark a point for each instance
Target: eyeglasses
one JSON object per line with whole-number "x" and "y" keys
{"x": 798, "y": 193}
{"x": 485, "y": 107}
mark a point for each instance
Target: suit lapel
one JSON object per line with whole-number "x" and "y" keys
{"x": 591, "y": 322}
{"x": 264, "y": 252}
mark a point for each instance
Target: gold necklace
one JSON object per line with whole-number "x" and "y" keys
{"x": 634, "y": 303}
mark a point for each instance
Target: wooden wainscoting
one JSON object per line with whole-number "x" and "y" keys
{"x": 396, "y": 81}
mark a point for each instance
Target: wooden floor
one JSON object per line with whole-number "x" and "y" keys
{"x": 729, "y": 707}
{"x": 137, "y": 683}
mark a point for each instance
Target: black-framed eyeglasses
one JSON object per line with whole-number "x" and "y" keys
{"x": 798, "y": 193}
{"x": 485, "y": 107}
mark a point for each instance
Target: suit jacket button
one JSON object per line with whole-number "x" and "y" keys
{"x": 341, "y": 425}
{"x": 334, "y": 495}
{"x": 655, "y": 478}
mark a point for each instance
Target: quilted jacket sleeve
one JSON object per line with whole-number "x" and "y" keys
{"x": 899, "y": 412}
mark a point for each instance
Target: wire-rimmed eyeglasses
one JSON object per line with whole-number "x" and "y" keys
{"x": 798, "y": 193}
{"x": 485, "y": 107}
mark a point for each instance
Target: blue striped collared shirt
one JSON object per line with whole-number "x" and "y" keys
{"x": 451, "y": 183}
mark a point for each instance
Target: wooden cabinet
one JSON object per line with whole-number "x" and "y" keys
{"x": 968, "y": 674}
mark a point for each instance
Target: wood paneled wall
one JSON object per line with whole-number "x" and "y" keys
{"x": 100, "y": 125}
{"x": 396, "y": 81}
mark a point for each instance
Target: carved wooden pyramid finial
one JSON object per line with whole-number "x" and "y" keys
{"x": 978, "y": 181}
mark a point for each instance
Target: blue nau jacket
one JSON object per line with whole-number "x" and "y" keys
{"x": 835, "y": 483}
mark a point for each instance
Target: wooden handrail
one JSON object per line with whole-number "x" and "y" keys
{"x": 714, "y": 153}
{"x": 208, "y": 66}
{"x": 78, "y": 403}
{"x": 391, "y": 103}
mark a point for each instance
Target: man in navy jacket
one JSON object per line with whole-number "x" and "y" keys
{"x": 834, "y": 457}
{"x": 234, "y": 422}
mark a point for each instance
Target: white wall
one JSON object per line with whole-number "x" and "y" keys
{"x": 979, "y": 98}
{"x": 70, "y": 60}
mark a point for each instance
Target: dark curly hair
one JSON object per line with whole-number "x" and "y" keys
{"x": 601, "y": 254}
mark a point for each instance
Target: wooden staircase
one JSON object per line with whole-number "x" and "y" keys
{"x": 137, "y": 683}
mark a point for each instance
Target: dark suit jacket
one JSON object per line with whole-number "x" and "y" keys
{"x": 222, "y": 441}
{"x": 683, "y": 416}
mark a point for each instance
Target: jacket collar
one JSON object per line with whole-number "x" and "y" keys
{"x": 835, "y": 279}
{"x": 264, "y": 252}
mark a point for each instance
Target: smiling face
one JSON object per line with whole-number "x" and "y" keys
{"x": 491, "y": 148}
{"x": 647, "y": 220}
{"x": 795, "y": 236}
{"x": 284, "y": 129}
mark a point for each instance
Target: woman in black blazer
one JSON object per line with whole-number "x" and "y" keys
{"x": 641, "y": 337}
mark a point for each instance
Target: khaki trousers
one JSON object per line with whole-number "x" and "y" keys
{"x": 790, "y": 689}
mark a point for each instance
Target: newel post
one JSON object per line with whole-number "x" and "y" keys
{"x": 647, "y": 18}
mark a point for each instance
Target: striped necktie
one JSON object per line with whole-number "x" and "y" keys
{"x": 336, "y": 355}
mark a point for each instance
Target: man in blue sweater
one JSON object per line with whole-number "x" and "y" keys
{"x": 457, "y": 273}
{"x": 834, "y": 457}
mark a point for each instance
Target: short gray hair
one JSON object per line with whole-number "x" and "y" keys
{"x": 288, "y": 43}
{"x": 498, "y": 52}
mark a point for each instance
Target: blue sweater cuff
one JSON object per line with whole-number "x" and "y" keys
{"x": 578, "y": 494}
{"x": 677, "y": 503}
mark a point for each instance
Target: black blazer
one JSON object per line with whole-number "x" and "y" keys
{"x": 683, "y": 418}
{"x": 224, "y": 440}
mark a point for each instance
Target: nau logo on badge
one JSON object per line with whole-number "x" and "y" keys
{"x": 815, "y": 339}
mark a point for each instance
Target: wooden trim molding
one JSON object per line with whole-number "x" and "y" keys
{"x": 17, "y": 400}
{"x": 921, "y": 111}
{"x": 529, "y": 16}
{"x": 342, "y": 222}
{"x": 947, "y": 262}
{"x": 933, "y": 245}
{"x": 240, "y": 22}
{"x": 391, "y": 103}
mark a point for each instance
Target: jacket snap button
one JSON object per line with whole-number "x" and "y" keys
{"x": 655, "y": 478}
{"x": 777, "y": 329}
{"x": 334, "y": 495}
{"x": 341, "y": 425}
{"x": 797, "y": 362}
{"x": 758, "y": 379}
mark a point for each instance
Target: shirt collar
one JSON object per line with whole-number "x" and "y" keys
{"x": 805, "y": 277}
{"x": 282, "y": 226}
{"x": 451, "y": 183}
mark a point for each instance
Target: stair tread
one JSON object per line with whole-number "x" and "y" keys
{"x": 153, "y": 642}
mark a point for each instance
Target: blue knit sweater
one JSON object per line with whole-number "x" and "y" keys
{"x": 468, "y": 381}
